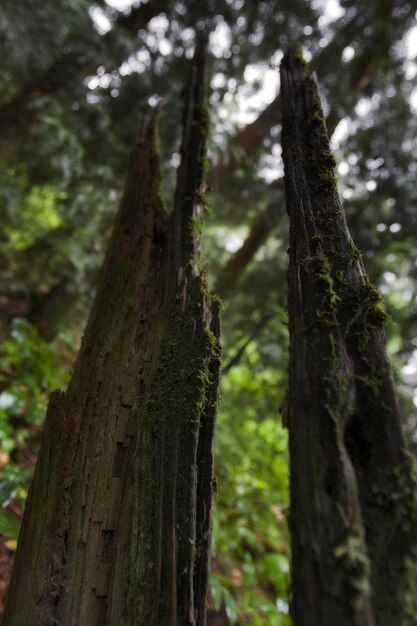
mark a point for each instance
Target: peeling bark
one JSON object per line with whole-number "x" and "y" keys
{"x": 117, "y": 527}
{"x": 353, "y": 496}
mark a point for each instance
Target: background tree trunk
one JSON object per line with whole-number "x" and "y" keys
{"x": 117, "y": 525}
{"x": 352, "y": 491}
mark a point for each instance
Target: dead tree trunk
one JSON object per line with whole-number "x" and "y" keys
{"x": 353, "y": 498}
{"x": 117, "y": 526}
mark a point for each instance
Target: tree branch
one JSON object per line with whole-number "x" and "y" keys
{"x": 247, "y": 141}
{"x": 237, "y": 263}
{"x": 241, "y": 349}
{"x": 362, "y": 72}
{"x": 363, "y": 68}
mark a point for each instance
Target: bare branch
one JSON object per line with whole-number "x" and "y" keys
{"x": 246, "y": 142}
{"x": 237, "y": 263}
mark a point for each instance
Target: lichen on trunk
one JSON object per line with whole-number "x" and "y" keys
{"x": 117, "y": 526}
{"x": 353, "y": 511}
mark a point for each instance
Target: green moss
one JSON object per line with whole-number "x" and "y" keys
{"x": 317, "y": 118}
{"x": 367, "y": 311}
{"x": 327, "y": 180}
{"x": 180, "y": 395}
{"x": 196, "y": 224}
{"x": 320, "y": 267}
{"x": 217, "y": 301}
{"x": 345, "y": 261}
{"x": 213, "y": 341}
{"x": 205, "y": 199}
{"x": 187, "y": 346}
{"x": 351, "y": 551}
{"x": 298, "y": 56}
{"x": 328, "y": 158}
{"x": 355, "y": 255}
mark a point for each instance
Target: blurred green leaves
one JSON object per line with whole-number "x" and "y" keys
{"x": 64, "y": 158}
{"x": 35, "y": 216}
{"x": 30, "y": 368}
{"x": 251, "y": 541}
{"x": 9, "y": 524}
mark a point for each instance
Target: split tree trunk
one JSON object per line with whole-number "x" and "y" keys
{"x": 353, "y": 497}
{"x": 117, "y": 526}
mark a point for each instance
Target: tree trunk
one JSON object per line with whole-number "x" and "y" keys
{"x": 353, "y": 498}
{"x": 117, "y": 526}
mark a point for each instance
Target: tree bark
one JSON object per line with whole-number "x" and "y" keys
{"x": 117, "y": 526}
{"x": 353, "y": 496}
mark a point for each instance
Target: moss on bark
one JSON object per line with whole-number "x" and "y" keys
{"x": 344, "y": 375}
{"x": 114, "y": 530}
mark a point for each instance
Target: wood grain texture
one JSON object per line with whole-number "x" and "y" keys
{"x": 354, "y": 546}
{"x": 117, "y": 527}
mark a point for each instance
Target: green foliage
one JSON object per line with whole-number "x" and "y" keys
{"x": 30, "y": 369}
{"x": 36, "y": 369}
{"x": 9, "y": 524}
{"x": 63, "y": 161}
{"x": 298, "y": 56}
{"x": 36, "y": 214}
{"x": 251, "y": 543}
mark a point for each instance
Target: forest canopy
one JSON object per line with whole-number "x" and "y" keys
{"x": 78, "y": 78}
